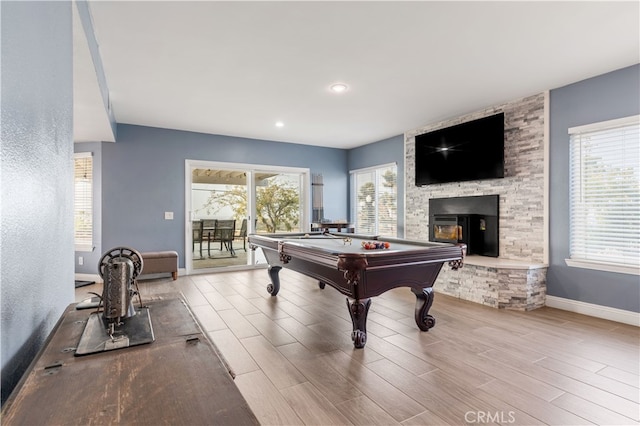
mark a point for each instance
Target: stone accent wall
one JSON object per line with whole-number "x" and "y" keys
{"x": 521, "y": 214}
{"x": 521, "y": 190}
{"x": 517, "y": 289}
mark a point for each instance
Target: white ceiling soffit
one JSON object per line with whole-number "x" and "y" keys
{"x": 235, "y": 68}
{"x": 90, "y": 119}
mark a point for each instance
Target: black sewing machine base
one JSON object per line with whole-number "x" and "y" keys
{"x": 136, "y": 330}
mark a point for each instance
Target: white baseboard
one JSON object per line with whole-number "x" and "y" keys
{"x": 88, "y": 277}
{"x": 598, "y": 311}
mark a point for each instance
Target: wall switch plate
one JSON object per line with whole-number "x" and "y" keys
{"x": 168, "y": 215}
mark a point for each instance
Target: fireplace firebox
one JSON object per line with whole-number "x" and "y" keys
{"x": 469, "y": 220}
{"x": 446, "y": 229}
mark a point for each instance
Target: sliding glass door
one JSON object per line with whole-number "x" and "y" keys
{"x": 225, "y": 202}
{"x": 218, "y": 209}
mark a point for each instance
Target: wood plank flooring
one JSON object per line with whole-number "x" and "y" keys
{"x": 295, "y": 364}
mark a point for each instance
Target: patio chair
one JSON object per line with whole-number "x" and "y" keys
{"x": 196, "y": 227}
{"x": 225, "y": 232}
{"x": 242, "y": 234}
{"x": 208, "y": 229}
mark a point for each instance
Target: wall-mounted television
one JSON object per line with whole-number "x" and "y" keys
{"x": 469, "y": 151}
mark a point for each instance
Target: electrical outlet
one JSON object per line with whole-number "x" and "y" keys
{"x": 80, "y": 260}
{"x": 168, "y": 215}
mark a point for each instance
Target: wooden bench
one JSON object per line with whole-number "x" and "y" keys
{"x": 156, "y": 262}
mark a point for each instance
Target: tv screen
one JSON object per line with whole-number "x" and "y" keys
{"x": 469, "y": 151}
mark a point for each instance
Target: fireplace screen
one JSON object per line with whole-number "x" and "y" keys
{"x": 446, "y": 228}
{"x": 447, "y": 232}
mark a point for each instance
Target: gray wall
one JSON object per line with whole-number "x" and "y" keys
{"x": 606, "y": 97}
{"x": 382, "y": 152}
{"x": 36, "y": 270}
{"x": 143, "y": 177}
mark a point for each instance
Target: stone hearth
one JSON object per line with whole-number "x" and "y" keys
{"x": 499, "y": 284}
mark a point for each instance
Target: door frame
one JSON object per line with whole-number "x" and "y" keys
{"x": 305, "y": 202}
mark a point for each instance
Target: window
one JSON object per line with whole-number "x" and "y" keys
{"x": 83, "y": 201}
{"x": 374, "y": 200}
{"x": 605, "y": 196}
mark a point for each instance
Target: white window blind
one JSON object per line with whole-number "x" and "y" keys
{"x": 605, "y": 195}
{"x": 83, "y": 201}
{"x": 375, "y": 200}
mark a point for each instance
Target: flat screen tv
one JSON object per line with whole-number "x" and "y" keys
{"x": 469, "y": 151}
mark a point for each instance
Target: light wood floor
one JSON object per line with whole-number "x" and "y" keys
{"x": 295, "y": 364}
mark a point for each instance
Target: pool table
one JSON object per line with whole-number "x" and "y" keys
{"x": 341, "y": 261}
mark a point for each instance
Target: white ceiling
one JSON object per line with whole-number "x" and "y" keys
{"x": 235, "y": 68}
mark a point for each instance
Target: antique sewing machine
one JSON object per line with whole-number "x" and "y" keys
{"x": 117, "y": 323}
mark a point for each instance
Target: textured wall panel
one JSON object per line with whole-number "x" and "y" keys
{"x": 36, "y": 178}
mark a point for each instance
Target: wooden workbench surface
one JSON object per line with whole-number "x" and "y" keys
{"x": 177, "y": 379}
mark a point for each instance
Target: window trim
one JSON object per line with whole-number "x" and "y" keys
{"x": 368, "y": 169}
{"x": 605, "y": 125}
{"x": 601, "y": 266}
{"x": 586, "y": 263}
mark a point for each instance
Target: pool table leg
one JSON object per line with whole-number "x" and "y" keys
{"x": 424, "y": 299}
{"x": 358, "y": 310}
{"x": 274, "y": 287}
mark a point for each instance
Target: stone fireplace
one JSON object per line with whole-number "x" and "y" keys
{"x": 509, "y": 270}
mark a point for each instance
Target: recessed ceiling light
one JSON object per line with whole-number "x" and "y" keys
{"x": 279, "y": 124}
{"x": 339, "y": 87}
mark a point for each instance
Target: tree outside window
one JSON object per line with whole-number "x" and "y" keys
{"x": 277, "y": 203}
